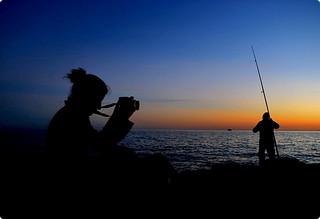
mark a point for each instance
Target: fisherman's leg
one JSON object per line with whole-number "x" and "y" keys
{"x": 261, "y": 154}
{"x": 271, "y": 152}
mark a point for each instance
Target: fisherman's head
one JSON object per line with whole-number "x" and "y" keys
{"x": 266, "y": 116}
{"x": 87, "y": 91}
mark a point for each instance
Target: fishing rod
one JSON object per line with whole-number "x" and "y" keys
{"x": 264, "y": 95}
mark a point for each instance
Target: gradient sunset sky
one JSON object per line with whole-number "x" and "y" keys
{"x": 188, "y": 62}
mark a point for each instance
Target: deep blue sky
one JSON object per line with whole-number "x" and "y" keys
{"x": 172, "y": 55}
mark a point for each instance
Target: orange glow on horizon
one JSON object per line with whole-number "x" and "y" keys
{"x": 178, "y": 118}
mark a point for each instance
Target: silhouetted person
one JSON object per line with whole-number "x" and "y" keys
{"x": 70, "y": 133}
{"x": 73, "y": 143}
{"x": 266, "y": 141}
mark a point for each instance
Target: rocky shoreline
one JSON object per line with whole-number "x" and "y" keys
{"x": 29, "y": 181}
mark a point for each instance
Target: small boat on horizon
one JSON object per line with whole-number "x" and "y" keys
{"x": 229, "y": 129}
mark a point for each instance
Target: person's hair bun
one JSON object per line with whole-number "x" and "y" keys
{"x": 77, "y": 75}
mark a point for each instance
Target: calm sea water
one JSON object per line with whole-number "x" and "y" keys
{"x": 194, "y": 149}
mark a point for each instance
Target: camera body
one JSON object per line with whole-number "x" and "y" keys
{"x": 129, "y": 103}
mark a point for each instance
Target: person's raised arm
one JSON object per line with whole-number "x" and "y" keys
{"x": 119, "y": 125}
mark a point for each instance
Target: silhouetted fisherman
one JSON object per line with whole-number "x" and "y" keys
{"x": 266, "y": 141}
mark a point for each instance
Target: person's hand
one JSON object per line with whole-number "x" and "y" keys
{"x": 125, "y": 108}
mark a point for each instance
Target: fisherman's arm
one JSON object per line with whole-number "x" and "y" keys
{"x": 275, "y": 125}
{"x": 256, "y": 128}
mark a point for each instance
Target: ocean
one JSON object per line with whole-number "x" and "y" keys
{"x": 193, "y": 149}
{"x": 199, "y": 149}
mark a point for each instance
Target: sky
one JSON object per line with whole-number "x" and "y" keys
{"x": 188, "y": 62}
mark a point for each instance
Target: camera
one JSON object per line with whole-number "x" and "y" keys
{"x": 129, "y": 103}
{"x": 124, "y": 104}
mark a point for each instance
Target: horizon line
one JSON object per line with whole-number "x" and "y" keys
{"x": 166, "y": 128}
